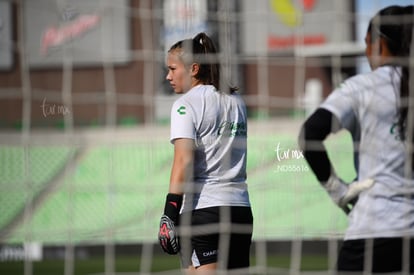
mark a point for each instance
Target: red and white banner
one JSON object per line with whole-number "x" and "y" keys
{"x": 82, "y": 32}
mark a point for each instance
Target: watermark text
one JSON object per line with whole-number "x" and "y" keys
{"x": 286, "y": 154}
{"x": 53, "y": 109}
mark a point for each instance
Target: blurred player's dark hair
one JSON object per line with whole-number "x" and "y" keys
{"x": 395, "y": 25}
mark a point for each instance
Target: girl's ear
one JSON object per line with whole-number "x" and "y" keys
{"x": 194, "y": 69}
{"x": 383, "y": 47}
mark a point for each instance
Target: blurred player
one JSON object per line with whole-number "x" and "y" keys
{"x": 372, "y": 107}
{"x": 209, "y": 132}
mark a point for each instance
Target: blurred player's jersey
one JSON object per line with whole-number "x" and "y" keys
{"x": 367, "y": 105}
{"x": 217, "y": 122}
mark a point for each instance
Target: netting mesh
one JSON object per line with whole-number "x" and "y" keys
{"x": 85, "y": 156}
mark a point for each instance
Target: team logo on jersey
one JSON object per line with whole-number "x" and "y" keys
{"x": 181, "y": 110}
{"x": 232, "y": 129}
{"x": 395, "y": 131}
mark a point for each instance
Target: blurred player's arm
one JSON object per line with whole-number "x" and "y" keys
{"x": 313, "y": 132}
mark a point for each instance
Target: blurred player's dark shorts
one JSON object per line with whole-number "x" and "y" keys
{"x": 219, "y": 234}
{"x": 387, "y": 255}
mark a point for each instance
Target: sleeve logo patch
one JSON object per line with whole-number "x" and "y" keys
{"x": 181, "y": 110}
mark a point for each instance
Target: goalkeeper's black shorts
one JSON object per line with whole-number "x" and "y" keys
{"x": 387, "y": 255}
{"x": 219, "y": 235}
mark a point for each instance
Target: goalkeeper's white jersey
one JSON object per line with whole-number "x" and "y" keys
{"x": 217, "y": 122}
{"x": 367, "y": 106}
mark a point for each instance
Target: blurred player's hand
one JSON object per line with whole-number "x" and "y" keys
{"x": 168, "y": 236}
{"x": 346, "y": 195}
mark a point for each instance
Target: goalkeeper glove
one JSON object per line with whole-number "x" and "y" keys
{"x": 167, "y": 234}
{"x": 345, "y": 195}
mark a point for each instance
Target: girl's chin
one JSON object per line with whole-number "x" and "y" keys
{"x": 179, "y": 91}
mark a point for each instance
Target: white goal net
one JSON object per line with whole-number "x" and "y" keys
{"x": 85, "y": 156}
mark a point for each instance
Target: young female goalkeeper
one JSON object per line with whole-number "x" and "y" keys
{"x": 208, "y": 177}
{"x": 372, "y": 107}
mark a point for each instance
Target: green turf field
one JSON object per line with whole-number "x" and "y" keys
{"x": 117, "y": 192}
